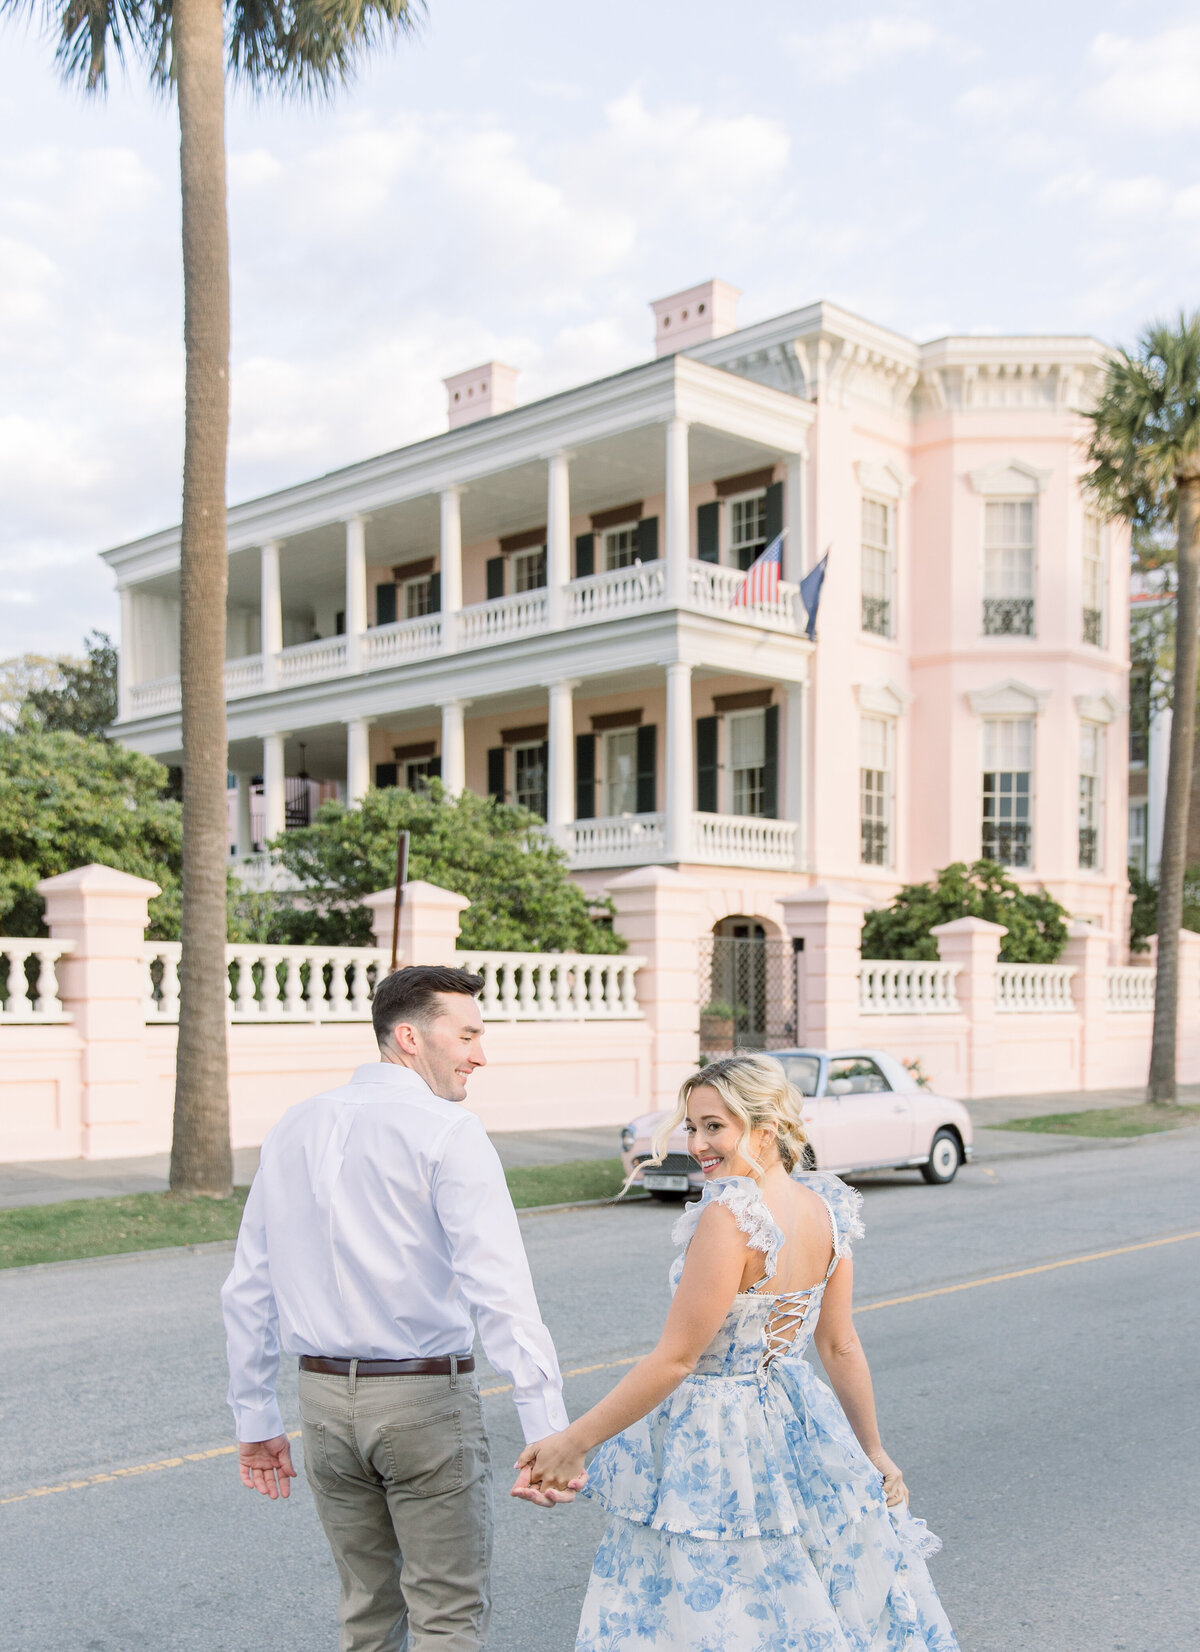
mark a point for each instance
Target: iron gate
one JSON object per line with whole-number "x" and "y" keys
{"x": 747, "y": 994}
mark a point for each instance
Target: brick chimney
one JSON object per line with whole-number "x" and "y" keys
{"x": 480, "y": 392}
{"x": 694, "y": 316}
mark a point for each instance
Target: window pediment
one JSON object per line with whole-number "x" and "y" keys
{"x": 888, "y": 480}
{"x": 1098, "y": 708}
{"x": 1009, "y": 698}
{"x": 883, "y": 699}
{"x": 1014, "y": 479}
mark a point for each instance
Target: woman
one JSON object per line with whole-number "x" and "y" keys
{"x": 748, "y": 1510}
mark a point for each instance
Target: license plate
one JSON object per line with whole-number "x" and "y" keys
{"x": 666, "y": 1184}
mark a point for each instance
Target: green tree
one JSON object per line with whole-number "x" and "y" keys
{"x": 83, "y": 697}
{"x": 1145, "y": 454}
{"x": 187, "y": 46}
{"x": 497, "y": 854}
{"x": 1036, "y": 923}
{"x": 67, "y": 800}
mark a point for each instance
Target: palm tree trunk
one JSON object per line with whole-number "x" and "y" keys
{"x": 201, "y": 1158}
{"x": 1161, "y": 1084}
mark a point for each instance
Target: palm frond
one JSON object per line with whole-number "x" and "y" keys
{"x": 86, "y": 33}
{"x": 311, "y": 46}
{"x": 1146, "y": 424}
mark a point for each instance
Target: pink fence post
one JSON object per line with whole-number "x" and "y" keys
{"x": 1188, "y": 1057}
{"x": 828, "y": 920}
{"x": 974, "y": 943}
{"x": 103, "y": 986}
{"x": 430, "y": 920}
{"x": 1089, "y": 951}
{"x": 658, "y": 912}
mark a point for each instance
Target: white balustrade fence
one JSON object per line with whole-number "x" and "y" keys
{"x": 717, "y": 590}
{"x": 414, "y": 639}
{"x": 620, "y": 591}
{"x": 617, "y": 840}
{"x": 1034, "y": 987}
{"x": 29, "y": 980}
{"x": 309, "y": 662}
{"x": 243, "y": 676}
{"x": 555, "y": 986}
{"x": 744, "y": 840}
{"x": 503, "y": 618}
{"x": 887, "y": 987}
{"x": 1131, "y": 987}
{"x": 162, "y": 694}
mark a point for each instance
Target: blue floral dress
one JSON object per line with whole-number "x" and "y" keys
{"x": 744, "y": 1515}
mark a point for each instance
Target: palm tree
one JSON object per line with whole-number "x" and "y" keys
{"x": 189, "y": 46}
{"x": 1145, "y": 449}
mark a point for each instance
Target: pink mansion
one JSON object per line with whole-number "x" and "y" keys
{"x": 547, "y": 603}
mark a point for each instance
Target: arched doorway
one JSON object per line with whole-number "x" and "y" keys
{"x": 747, "y": 988}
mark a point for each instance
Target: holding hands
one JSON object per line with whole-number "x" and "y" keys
{"x": 550, "y": 1471}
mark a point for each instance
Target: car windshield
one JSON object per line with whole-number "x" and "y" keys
{"x": 802, "y": 1070}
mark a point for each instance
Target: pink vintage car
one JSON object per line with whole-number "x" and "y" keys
{"x": 863, "y": 1111}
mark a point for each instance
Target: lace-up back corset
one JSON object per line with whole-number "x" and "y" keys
{"x": 762, "y": 1326}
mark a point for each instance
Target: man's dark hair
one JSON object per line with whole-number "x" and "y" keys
{"x": 411, "y": 994}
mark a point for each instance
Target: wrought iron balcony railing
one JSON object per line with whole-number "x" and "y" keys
{"x": 1008, "y": 616}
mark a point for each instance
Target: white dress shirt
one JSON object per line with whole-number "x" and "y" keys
{"x": 378, "y": 1223}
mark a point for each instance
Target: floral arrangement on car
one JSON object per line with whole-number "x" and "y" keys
{"x": 915, "y": 1069}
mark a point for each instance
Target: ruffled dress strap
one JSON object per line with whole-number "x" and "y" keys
{"x": 741, "y": 1197}
{"x": 843, "y": 1203}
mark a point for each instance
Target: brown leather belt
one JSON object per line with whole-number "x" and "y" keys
{"x": 388, "y": 1367}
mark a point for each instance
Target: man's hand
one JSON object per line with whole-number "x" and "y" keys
{"x": 555, "y": 1464}
{"x": 266, "y": 1466}
{"x": 529, "y": 1493}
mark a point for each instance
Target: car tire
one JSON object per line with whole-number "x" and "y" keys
{"x": 945, "y": 1156}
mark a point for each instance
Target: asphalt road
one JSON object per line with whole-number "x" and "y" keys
{"x": 1047, "y": 1422}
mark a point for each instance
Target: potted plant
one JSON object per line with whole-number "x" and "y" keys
{"x": 716, "y": 1025}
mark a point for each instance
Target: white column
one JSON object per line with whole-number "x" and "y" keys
{"x": 274, "y": 799}
{"x": 356, "y": 592}
{"x": 451, "y": 567}
{"x": 678, "y": 533}
{"x": 454, "y": 747}
{"x": 245, "y": 826}
{"x": 560, "y": 786}
{"x": 126, "y": 655}
{"x": 358, "y": 759}
{"x": 794, "y": 752}
{"x": 271, "y": 607}
{"x": 558, "y": 538}
{"x": 795, "y": 559}
{"x": 680, "y": 782}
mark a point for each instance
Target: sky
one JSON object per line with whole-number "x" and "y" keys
{"x": 517, "y": 183}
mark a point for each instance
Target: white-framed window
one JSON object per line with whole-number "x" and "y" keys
{"x": 1139, "y": 821}
{"x": 414, "y": 597}
{"x": 875, "y": 791}
{"x": 620, "y": 771}
{"x": 1009, "y": 567}
{"x": 1091, "y": 779}
{"x": 529, "y": 776}
{"x": 620, "y": 546}
{"x": 1007, "y": 826}
{"x": 529, "y": 569}
{"x": 1093, "y": 579}
{"x": 878, "y": 531}
{"x": 417, "y": 772}
{"x": 746, "y": 732}
{"x": 747, "y": 528}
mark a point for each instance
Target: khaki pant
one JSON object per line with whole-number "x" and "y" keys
{"x": 401, "y": 1475}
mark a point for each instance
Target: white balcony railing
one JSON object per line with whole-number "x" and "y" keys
{"x": 891, "y": 988}
{"x": 29, "y": 980}
{"x": 503, "y": 618}
{"x": 244, "y": 676}
{"x": 555, "y": 986}
{"x": 309, "y": 662}
{"x": 1034, "y": 987}
{"x": 414, "y": 639}
{"x": 744, "y": 840}
{"x": 148, "y": 699}
{"x": 622, "y": 840}
{"x": 616, "y": 594}
{"x": 716, "y": 590}
{"x": 1130, "y": 988}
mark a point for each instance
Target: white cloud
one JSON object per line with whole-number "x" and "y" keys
{"x": 843, "y": 50}
{"x": 1149, "y": 84}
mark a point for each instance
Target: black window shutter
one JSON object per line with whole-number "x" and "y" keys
{"x": 774, "y": 510}
{"x": 495, "y": 577}
{"x": 434, "y": 771}
{"x": 435, "y": 593}
{"x": 544, "y": 755}
{"x": 771, "y": 762}
{"x": 706, "y": 765}
{"x": 496, "y": 776}
{"x": 585, "y": 555}
{"x": 585, "y": 777}
{"x": 385, "y": 775}
{"x": 708, "y": 531}
{"x": 647, "y": 539}
{"x": 339, "y": 623}
{"x": 647, "y": 776}
{"x": 385, "y": 604}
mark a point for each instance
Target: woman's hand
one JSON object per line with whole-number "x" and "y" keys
{"x": 894, "y": 1488}
{"x": 554, "y": 1464}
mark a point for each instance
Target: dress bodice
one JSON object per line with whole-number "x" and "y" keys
{"x": 764, "y": 1326}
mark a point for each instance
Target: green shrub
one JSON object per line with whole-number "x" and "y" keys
{"x": 1036, "y": 923}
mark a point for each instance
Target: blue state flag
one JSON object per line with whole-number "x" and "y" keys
{"x": 810, "y": 594}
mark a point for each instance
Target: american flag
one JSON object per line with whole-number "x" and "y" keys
{"x": 761, "y": 583}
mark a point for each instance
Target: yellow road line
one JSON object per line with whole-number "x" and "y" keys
{"x": 619, "y": 1364}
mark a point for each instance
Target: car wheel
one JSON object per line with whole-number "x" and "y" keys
{"x": 945, "y": 1156}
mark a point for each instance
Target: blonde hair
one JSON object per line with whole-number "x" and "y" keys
{"x": 758, "y": 1093}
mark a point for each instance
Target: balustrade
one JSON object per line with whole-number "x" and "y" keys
{"x": 717, "y": 590}
{"x": 244, "y": 676}
{"x": 503, "y": 618}
{"x": 744, "y": 840}
{"x": 621, "y": 591}
{"x": 1034, "y": 987}
{"x": 414, "y": 639}
{"x": 1130, "y": 988}
{"x": 890, "y": 988}
{"x": 29, "y": 980}
{"x": 622, "y": 840}
{"x": 555, "y": 986}
{"x": 308, "y": 662}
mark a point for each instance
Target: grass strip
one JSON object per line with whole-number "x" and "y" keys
{"x": 77, "y": 1228}
{"x": 1140, "y": 1120}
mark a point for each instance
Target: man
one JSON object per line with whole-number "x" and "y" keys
{"x": 378, "y": 1223}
